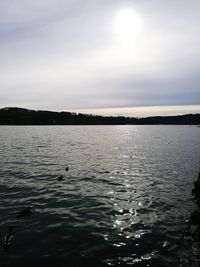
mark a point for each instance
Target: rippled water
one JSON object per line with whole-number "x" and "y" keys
{"x": 125, "y": 200}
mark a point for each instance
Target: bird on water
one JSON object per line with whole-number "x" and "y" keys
{"x": 26, "y": 212}
{"x": 60, "y": 178}
{"x": 8, "y": 238}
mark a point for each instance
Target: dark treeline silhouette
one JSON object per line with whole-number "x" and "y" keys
{"x": 21, "y": 116}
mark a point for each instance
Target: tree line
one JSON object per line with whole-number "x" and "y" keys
{"x": 21, "y": 116}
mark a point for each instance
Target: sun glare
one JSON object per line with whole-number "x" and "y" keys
{"x": 127, "y": 23}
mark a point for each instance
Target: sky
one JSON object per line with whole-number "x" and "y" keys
{"x": 109, "y": 57}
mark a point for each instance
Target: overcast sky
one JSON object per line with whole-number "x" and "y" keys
{"x": 109, "y": 56}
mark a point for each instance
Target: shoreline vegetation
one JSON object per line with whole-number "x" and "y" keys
{"x": 195, "y": 217}
{"x": 21, "y": 116}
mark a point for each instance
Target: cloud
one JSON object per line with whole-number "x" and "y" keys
{"x": 65, "y": 54}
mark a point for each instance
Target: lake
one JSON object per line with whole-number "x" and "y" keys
{"x": 125, "y": 200}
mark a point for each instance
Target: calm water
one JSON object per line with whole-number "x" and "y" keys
{"x": 125, "y": 200}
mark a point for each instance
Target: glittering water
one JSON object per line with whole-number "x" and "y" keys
{"x": 124, "y": 201}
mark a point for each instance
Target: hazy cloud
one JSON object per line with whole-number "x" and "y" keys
{"x": 62, "y": 54}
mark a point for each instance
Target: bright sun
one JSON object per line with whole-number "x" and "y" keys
{"x": 127, "y": 23}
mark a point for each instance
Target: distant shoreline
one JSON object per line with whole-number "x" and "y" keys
{"x": 14, "y": 116}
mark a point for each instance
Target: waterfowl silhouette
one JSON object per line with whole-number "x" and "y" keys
{"x": 60, "y": 178}
{"x": 8, "y": 238}
{"x": 67, "y": 168}
{"x": 26, "y": 212}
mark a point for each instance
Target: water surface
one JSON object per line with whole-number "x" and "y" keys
{"x": 125, "y": 200}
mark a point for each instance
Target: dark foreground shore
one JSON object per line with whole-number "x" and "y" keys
{"x": 195, "y": 221}
{"x": 195, "y": 217}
